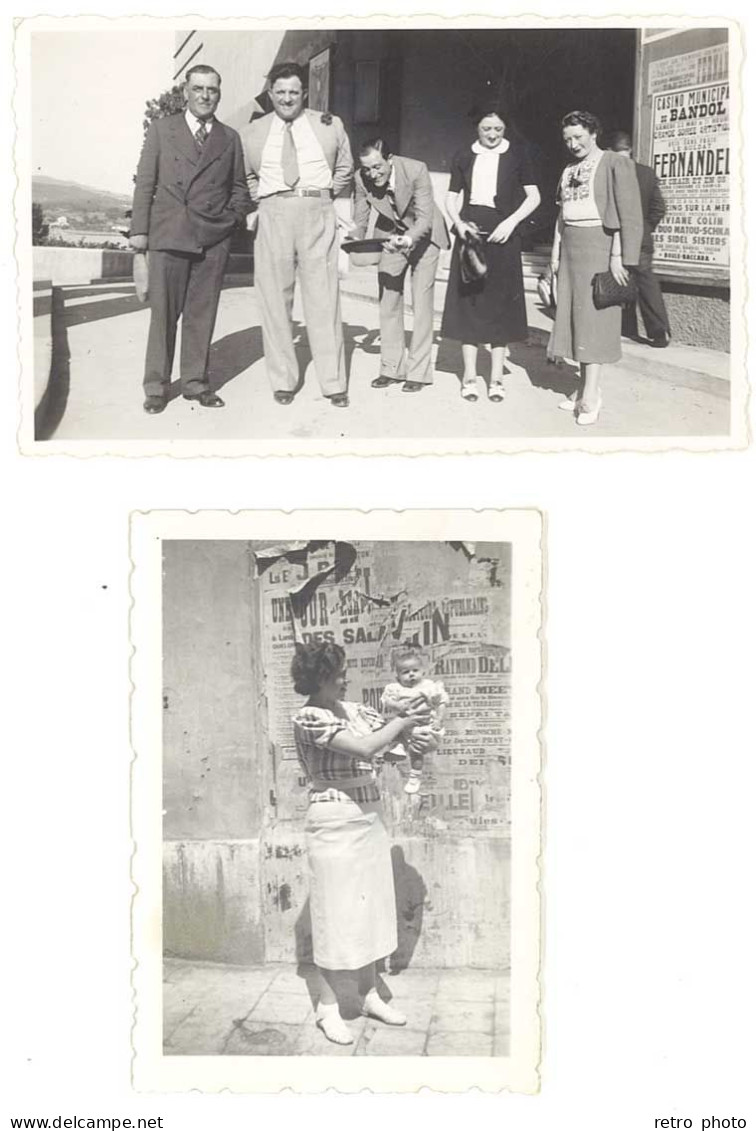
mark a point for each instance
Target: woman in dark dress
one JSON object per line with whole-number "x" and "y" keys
{"x": 492, "y": 188}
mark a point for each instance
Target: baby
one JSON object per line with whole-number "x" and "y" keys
{"x": 411, "y": 683}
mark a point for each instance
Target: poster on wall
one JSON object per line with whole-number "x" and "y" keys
{"x": 690, "y": 154}
{"x": 462, "y": 629}
{"x": 694, "y": 68}
{"x": 320, "y": 81}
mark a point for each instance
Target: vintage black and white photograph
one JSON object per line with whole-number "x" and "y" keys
{"x": 346, "y": 763}
{"x": 375, "y": 239}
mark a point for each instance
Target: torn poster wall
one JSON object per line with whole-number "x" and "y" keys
{"x": 453, "y": 600}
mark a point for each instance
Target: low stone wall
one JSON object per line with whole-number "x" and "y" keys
{"x": 217, "y": 906}
{"x": 71, "y": 265}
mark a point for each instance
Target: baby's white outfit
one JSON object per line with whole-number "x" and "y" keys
{"x": 395, "y": 698}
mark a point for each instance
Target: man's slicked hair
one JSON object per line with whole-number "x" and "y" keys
{"x": 287, "y": 71}
{"x": 202, "y": 69}
{"x": 378, "y": 144}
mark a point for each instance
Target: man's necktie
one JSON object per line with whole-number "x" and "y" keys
{"x": 200, "y": 136}
{"x": 289, "y": 163}
{"x": 391, "y": 198}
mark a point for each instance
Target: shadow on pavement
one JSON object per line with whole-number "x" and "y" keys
{"x": 231, "y": 355}
{"x": 103, "y": 308}
{"x": 559, "y": 377}
{"x": 410, "y": 893}
{"x": 51, "y": 409}
{"x": 237, "y": 352}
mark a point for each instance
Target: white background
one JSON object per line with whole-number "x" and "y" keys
{"x": 651, "y": 622}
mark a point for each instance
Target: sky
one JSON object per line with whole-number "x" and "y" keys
{"x": 88, "y": 94}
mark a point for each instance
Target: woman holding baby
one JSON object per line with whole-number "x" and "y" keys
{"x": 352, "y": 901}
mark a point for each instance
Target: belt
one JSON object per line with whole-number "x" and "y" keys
{"x": 320, "y": 786}
{"x": 328, "y": 795}
{"x": 323, "y": 192}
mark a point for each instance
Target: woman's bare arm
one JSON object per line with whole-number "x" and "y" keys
{"x": 453, "y": 204}
{"x": 367, "y": 746}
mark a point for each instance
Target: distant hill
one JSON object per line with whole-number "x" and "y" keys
{"x": 67, "y": 198}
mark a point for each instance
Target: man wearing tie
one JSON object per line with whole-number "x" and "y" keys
{"x": 297, "y": 161}
{"x": 400, "y": 191}
{"x": 190, "y": 193}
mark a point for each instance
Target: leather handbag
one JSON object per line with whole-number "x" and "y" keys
{"x": 472, "y": 256}
{"x": 142, "y": 275}
{"x": 472, "y": 262}
{"x": 608, "y": 292}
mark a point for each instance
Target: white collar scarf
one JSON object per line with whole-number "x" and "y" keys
{"x": 485, "y": 150}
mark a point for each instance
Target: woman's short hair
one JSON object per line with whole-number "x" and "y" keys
{"x": 582, "y": 118}
{"x": 378, "y": 144}
{"x": 492, "y": 109}
{"x": 314, "y": 664}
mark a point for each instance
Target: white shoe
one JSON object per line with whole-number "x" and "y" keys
{"x": 413, "y": 783}
{"x": 374, "y": 1006}
{"x": 592, "y": 416}
{"x": 470, "y": 390}
{"x": 496, "y": 391}
{"x": 332, "y": 1023}
{"x": 569, "y": 404}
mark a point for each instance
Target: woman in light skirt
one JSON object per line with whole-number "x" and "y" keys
{"x": 599, "y": 228}
{"x": 352, "y": 903}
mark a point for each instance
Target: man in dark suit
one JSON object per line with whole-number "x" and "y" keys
{"x": 399, "y": 190}
{"x": 650, "y": 296}
{"x": 190, "y": 193}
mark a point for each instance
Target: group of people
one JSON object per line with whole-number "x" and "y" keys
{"x": 198, "y": 180}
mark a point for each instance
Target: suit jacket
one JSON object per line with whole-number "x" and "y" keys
{"x": 652, "y": 203}
{"x": 619, "y": 202}
{"x": 184, "y": 200}
{"x": 419, "y": 214}
{"x": 332, "y": 138}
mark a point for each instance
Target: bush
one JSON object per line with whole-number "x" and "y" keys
{"x": 101, "y": 245}
{"x": 40, "y": 230}
{"x": 169, "y": 102}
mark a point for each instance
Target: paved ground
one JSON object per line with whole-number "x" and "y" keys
{"x": 214, "y": 1010}
{"x": 97, "y": 392}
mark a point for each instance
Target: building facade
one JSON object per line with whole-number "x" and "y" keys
{"x": 418, "y": 87}
{"x": 234, "y": 797}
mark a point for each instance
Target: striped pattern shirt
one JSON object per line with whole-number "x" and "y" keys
{"x": 314, "y": 730}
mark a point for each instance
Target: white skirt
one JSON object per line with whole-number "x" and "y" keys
{"x": 352, "y": 901}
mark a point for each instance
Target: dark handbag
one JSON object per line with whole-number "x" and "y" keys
{"x": 472, "y": 258}
{"x": 608, "y": 292}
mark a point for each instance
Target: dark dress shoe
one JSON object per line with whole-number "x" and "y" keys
{"x": 661, "y": 342}
{"x": 412, "y": 386}
{"x": 339, "y": 400}
{"x": 282, "y": 397}
{"x": 380, "y": 382}
{"x": 207, "y": 399}
{"x": 154, "y": 405}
